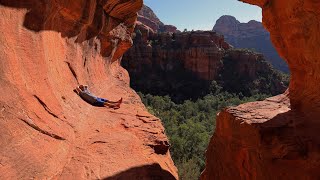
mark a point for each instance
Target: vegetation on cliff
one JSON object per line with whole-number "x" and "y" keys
{"x": 185, "y": 79}
{"x": 183, "y": 65}
{"x": 190, "y": 125}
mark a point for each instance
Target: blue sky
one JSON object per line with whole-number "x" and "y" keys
{"x": 201, "y": 14}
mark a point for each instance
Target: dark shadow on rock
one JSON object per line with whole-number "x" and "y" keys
{"x": 147, "y": 172}
{"x": 83, "y": 19}
{"x": 291, "y": 143}
{"x": 295, "y": 131}
{"x": 284, "y": 145}
{"x": 70, "y": 18}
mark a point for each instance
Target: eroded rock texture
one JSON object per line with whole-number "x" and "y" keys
{"x": 294, "y": 27}
{"x": 277, "y": 138}
{"x": 47, "y": 48}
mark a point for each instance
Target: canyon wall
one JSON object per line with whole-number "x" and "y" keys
{"x": 277, "y": 138}
{"x": 178, "y": 65}
{"x": 198, "y": 52}
{"x": 250, "y": 35}
{"x": 183, "y": 65}
{"x": 47, "y": 131}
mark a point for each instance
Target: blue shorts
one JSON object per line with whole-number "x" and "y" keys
{"x": 100, "y": 102}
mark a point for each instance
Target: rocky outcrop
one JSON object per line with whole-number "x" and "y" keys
{"x": 196, "y": 49}
{"x": 173, "y": 64}
{"x": 276, "y": 138}
{"x": 47, "y": 132}
{"x": 147, "y": 17}
{"x": 183, "y": 64}
{"x": 169, "y": 28}
{"x": 250, "y": 35}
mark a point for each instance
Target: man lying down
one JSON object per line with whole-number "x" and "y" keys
{"x": 86, "y": 95}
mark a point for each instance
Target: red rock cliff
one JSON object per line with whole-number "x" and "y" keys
{"x": 277, "y": 138}
{"x": 47, "y": 132}
{"x": 200, "y": 52}
{"x": 177, "y": 64}
{"x": 147, "y": 17}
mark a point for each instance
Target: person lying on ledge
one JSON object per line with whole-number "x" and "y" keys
{"x": 85, "y": 94}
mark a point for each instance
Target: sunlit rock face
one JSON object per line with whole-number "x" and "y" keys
{"x": 49, "y": 47}
{"x": 147, "y": 17}
{"x": 277, "y": 138}
{"x": 294, "y": 27}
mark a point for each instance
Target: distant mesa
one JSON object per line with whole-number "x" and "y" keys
{"x": 250, "y": 35}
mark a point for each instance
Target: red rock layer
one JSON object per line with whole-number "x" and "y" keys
{"x": 197, "y": 56}
{"x": 294, "y": 27}
{"x": 263, "y": 140}
{"x": 276, "y": 138}
{"x": 147, "y": 17}
{"x": 199, "y": 52}
{"x": 47, "y": 132}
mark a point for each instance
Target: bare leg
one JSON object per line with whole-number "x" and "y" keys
{"x": 115, "y": 105}
{"x": 115, "y": 102}
{"x": 111, "y": 105}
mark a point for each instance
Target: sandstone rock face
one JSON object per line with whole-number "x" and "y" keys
{"x": 174, "y": 64}
{"x": 249, "y": 35}
{"x": 170, "y": 28}
{"x": 47, "y": 132}
{"x": 276, "y": 138}
{"x": 298, "y": 42}
{"x": 147, "y": 17}
{"x": 178, "y": 64}
{"x": 200, "y": 51}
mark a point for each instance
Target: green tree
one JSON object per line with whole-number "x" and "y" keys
{"x": 188, "y": 169}
{"x": 190, "y": 125}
